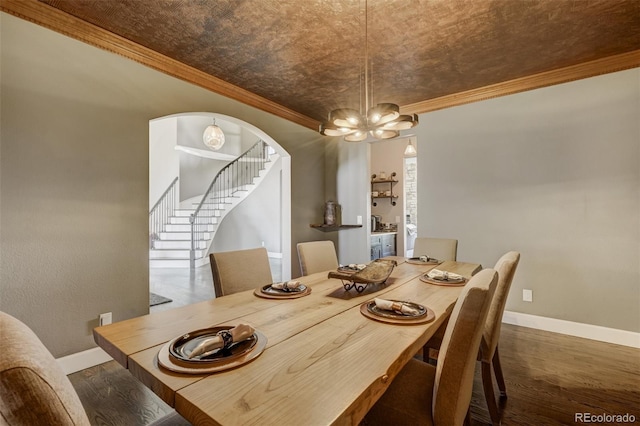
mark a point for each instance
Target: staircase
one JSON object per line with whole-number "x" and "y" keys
{"x": 181, "y": 236}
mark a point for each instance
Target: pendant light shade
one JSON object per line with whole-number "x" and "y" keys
{"x": 410, "y": 150}
{"x": 213, "y": 137}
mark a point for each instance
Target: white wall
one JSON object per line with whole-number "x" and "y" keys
{"x": 256, "y": 220}
{"x": 164, "y": 163}
{"x": 554, "y": 174}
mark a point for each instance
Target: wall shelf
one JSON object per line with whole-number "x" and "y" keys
{"x": 389, "y": 181}
{"x": 330, "y": 228}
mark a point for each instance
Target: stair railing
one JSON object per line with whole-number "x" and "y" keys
{"x": 233, "y": 177}
{"x": 161, "y": 212}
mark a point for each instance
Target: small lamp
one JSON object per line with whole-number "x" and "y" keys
{"x": 213, "y": 137}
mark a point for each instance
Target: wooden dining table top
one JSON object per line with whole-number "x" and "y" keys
{"x": 324, "y": 361}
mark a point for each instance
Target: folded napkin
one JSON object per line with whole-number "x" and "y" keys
{"x": 425, "y": 259}
{"x": 356, "y": 266}
{"x": 287, "y": 286}
{"x": 399, "y": 307}
{"x": 436, "y": 274}
{"x": 222, "y": 339}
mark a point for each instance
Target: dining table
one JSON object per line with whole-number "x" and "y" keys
{"x": 324, "y": 361}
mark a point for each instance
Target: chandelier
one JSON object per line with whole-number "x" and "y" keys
{"x": 382, "y": 121}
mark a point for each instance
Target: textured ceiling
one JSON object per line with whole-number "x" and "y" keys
{"x": 307, "y": 55}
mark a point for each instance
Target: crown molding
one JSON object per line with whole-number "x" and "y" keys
{"x": 56, "y": 20}
{"x": 549, "y": 78}
{"x": 61, "y": 22}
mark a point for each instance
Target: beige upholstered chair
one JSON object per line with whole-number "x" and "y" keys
{"x": 317, "y": 256}
{"x": 488, "y": 354}
{"x": 422, "y": 394}
{"x": 506, "y": 267}
{"x": 240, "y": 270}
{"x": 33, "y": 388}
{"x": 438, "y": 248}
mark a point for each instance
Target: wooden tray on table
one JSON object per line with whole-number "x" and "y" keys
{"x": 376, "y": 272}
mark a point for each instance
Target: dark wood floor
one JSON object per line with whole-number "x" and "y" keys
{"x": 550, "y": 377}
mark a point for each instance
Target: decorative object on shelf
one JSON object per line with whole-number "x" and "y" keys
{"x": 213, "y": 136}
{"x": 387, "y": 193}
{"x": 332, "y": 213}
{"x": 410, "y": 150}
{"x": 382, "y": 121}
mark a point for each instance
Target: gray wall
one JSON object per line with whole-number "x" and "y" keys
{"x": 74, "y": 170}
{"x": 552, "y": 173}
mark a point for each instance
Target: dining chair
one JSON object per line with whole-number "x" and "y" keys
{"x": 423, "y": 394}
{"x": 317, "y": 256}
{"x": 438, "y": 248}
{"x": 488, "y": 355}
{"x": 33, "y": 388}
{"x": 240, "y": 270}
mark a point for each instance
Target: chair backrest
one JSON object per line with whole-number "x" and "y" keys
{"x": 438, "y": 248}
{"x": 317, "y": 256}
{"x": 33, "y": 388}
{"x": 506, "y": 268}
{"x": 459, "y": 349}
{"x": 240, "y": 270}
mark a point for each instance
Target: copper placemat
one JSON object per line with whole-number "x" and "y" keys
{"x": 368, "y": 310}
{"x": 271, "y": 293}
{"x": 166, "y": 360}
{"x": 449, "y": 283}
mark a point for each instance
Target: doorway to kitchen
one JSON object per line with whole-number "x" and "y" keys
{"x": 411, "y": 202}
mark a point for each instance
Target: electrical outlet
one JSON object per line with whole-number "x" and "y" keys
{"x": 358, "y": 220}
{"x": 105, "y": 318}
{"x": 527, "y": 295}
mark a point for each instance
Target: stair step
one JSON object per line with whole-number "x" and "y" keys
{"x": 173, "y": 254}
{"x": 172, "y": 249}
{"x": 177, "y": 245}
{"x": 187, "y": 227}
{"x": 173, "y": 236}
{"x": 183, "y": 220}
{"x": 211, "y": 206}
{"x": 183, "y": 212}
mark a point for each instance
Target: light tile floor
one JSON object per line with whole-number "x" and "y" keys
{"x": 186, "y": 287}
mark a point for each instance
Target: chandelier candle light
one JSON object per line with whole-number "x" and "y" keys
{"x": 382, "y": 121}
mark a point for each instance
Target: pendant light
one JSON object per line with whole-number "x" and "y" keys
{"x": 410, "y": 150}
{"x": 382, "y": 121}
{"x": 213, "y": 137}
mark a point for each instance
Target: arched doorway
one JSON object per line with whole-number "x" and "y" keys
{"x": 263, "y": 218}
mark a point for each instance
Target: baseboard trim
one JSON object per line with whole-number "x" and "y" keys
{"x": 81, "y": 360}
{"x": 587, "y": 331}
